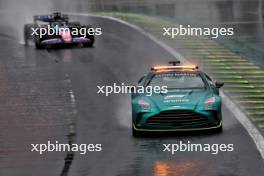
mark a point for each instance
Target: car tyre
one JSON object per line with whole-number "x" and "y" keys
{"x": 219, "y": 129}
{"x": 27, "y": 34}
{"x": 90, "y": 37}
{"x": 135, "y": 133}
{"x": 38, "y": 44}
{"x": 90, "y": 44}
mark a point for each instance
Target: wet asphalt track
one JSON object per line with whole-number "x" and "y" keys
{"x": 36, "y": 107}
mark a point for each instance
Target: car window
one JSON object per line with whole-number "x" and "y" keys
{"x": 178, "y": 80}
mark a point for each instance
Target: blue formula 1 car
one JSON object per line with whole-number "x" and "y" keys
{"x": 56, "y": 29}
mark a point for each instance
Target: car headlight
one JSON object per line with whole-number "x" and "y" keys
{"x": 209, "y": 103}
{"x": 144, "y": 104}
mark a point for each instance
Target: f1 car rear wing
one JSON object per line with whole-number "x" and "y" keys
{"x": 53, "y": 17}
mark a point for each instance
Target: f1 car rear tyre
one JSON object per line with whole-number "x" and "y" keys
{"x": 90, "y": 44}
{"x": 38, "y": 44}
{"x": 90, "y": 37}
{"x": 27, "y": 32}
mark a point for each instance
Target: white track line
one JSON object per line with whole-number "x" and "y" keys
{"x": 233, "y": 108}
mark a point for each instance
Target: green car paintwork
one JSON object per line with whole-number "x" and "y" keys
{"x": 179, "y": 109}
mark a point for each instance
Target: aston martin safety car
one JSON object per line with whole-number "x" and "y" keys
{"x": 191, "y": 102}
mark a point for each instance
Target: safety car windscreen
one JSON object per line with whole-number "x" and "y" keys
{"x": 178, "y": 80}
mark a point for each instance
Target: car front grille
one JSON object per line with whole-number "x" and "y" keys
{"x": 178, "y": 118}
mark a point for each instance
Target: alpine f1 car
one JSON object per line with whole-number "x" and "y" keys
{"x": 56, "y": 29}
{"x": 191, "y": 102}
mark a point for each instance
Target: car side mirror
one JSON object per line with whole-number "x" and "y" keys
{"x": 219, "y": 84}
